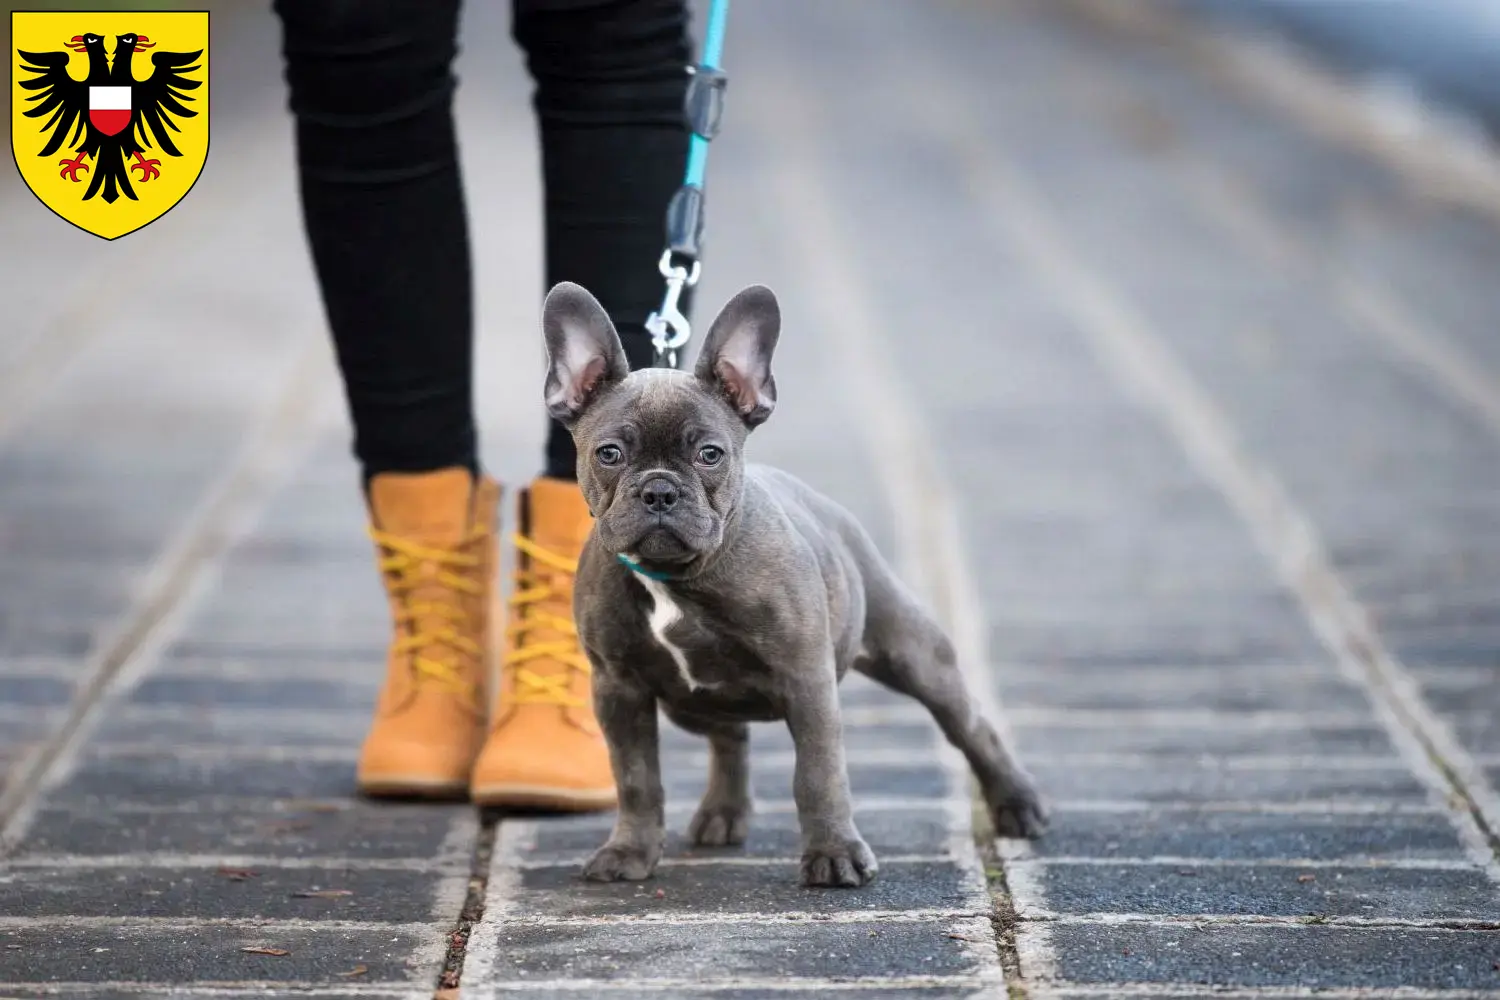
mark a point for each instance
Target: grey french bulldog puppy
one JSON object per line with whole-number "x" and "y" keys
{"x": 728, "y": 593}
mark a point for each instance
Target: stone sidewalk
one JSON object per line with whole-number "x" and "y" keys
{"x": 1181, "y": 405}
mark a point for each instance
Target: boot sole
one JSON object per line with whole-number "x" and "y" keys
{"x": 543, "y": 797}
{"x": 414, "y": 788}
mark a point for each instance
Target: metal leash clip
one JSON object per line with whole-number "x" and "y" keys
{"x": 669, "y": 317}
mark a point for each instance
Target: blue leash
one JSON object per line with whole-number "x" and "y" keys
{"x": 680, "y": 264}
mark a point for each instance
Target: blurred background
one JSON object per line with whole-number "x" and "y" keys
{"x": 1155, "y": 341}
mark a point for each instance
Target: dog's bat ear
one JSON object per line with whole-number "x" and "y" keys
{"x": 736, "y": 357}
{"x": 583, "y": 351}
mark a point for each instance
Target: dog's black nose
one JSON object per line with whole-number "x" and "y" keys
{"x": 659, "y": 495}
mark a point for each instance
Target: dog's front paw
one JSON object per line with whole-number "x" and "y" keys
{"x": 717, "y": 824}
{"x": 614, "y": 862}
{"x": 1018, "y": 813}
{"x": 843, "y": 864}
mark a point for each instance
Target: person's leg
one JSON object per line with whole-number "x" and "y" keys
{"x": 610, "y": 81}
{"x": 371, "y": 88}
{"x": 611, "y": 76}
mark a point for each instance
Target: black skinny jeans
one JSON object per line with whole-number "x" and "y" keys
{"x": 371, "y": 86}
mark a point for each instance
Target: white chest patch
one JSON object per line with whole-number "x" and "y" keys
{"x": 664, "y": 612}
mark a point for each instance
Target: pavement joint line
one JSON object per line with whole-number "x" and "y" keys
{"x": 1146, "y": 370}
{"x": 471, "y": 902}
{"x": 731, "y": 861}
{"x": 1222, "y": 761}
{"x": 775, "y": 760}
{"x": 1436, "y": 159}
{"x": 282, "y": 808}
{"x": 910, "y": 916}
{"x": 1034, "y": 952}
{"x": 252, "y": 861}
{"x": 225, "y": 512}
{"x": 1303, "y": 807}
{"x": 215, "y": 988}
{"x": 1176, "y": 861}
{"x": 319, "y": 754}
{"x": 268, "y": 925}
{"x": 785, "y": 759}
{"x": 735, "y": 983}
{"x": 1167, "y": 991}
{"x": 930, "y": 553}
{"x": 1083, "y": 718}
{"x": 1456, "y": 926}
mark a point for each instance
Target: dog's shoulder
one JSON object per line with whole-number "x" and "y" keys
{"x": 801, "y": 502}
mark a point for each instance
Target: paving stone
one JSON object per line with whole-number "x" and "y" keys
{"x": 35, "y": 691}
{"x": 1189, "y": 834}
{"x": 1271, "y": 890}
{"x": 233, "y": 726}
{"x": 281, "y": 656}
{"x": 290, "y": 992}
{"x": 1308, "y": 956}
{"x": 729, "y": 888}
{"x": 185, "y": 891}
{"x": 1170, "y": 781}
{"x": 184, "y": 954}
{"x": 1479, "y": 732}
{"x": 20, "y": 725}
{"x": 1123, "y": 736}
{"x": 917, "y": 780}
{"x": 274, "y": 829}
{"x": 704, "y": 953}
{"x": 165, "y": 779}
{"x": 307, "y": 694}
{"x": 1240, "y": 690}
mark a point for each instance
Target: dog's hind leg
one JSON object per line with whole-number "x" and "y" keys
{"x": 908, "y": 652}
{"x": 723, "y": 817}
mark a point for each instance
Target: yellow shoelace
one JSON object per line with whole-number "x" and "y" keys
{"x": 533, "y": 588}
{"x": 409, "y": 565}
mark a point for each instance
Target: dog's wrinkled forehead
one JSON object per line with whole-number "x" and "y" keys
{"x": 661, "y": 404}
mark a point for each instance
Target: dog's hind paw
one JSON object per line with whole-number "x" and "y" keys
{"x": 842, "y": 865}
{"x": 1021, "y": 815}
{"x": 720, "y": 824}
{"x": 616, "y": 862}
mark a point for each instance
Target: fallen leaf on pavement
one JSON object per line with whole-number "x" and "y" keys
{"x": 239, "y": 874}
{"x": 358, "y": 970}
{"x": 322, "y": 894}
{"x": 258, "y": 950}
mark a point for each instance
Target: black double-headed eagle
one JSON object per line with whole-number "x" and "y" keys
{"x": 114, "y": 114}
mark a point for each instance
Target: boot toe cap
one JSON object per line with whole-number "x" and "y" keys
{"x": 543, "y": 764}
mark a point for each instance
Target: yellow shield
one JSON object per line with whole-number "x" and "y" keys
{"x": 109, "y": 112}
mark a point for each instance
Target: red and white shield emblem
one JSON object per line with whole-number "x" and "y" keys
{"x": 109, "y": 109}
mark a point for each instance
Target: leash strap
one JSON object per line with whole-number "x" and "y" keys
{"x": 680, "y": 263}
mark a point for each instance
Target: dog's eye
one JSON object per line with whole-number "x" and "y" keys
{"x": 710, "y": 454}
{"x": 609, "y": 455}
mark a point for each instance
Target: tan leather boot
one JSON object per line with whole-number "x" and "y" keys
{"x": 545, "y": 749}
{"x": 434, "y": 534}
